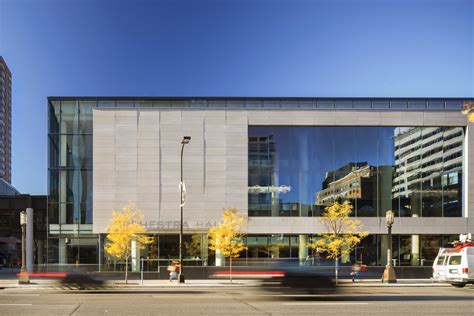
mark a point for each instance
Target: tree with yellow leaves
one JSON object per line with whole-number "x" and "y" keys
{"x": 343, "y": 233}
{"x": 468, "y": 110}
{"x": 227, "y": 236}
{"x": 126, "y": 227}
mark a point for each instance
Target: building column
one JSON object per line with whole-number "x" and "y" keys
{"x": 220, "y": 259}
{"x": 62, "y": 251}
{"x": 135, "y": 256}
{"x": 302, "y": 248}
{"x": 204, "y": 249}
{"x": 29, "y": 239}
{"x": 415, "y": 250}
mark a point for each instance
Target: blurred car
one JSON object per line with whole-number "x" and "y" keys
{"x": 81, "y": 282}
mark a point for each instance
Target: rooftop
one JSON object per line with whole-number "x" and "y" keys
{"x": 269, "y": 102}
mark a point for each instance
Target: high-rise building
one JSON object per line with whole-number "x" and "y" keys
{"x": 5, "y": 121}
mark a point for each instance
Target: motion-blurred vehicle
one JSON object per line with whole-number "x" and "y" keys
{"x": 81, "y": 282}
{"x": 287, "y": 275}
{"x": 306, "y": 279}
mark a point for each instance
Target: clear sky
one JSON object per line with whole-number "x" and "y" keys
{"x": 225, "y": 48}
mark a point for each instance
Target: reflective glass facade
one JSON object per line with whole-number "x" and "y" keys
{"x": 268, "y": 249}
{"x": 70, "y": 182}
{"x": 70, "y": 162}
{"x": 300, "y": 170}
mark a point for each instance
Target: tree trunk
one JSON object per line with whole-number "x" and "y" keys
{"x": 126, "y": 270}
{"x": 336, "y": 265}
{"x": 230, "y": 267}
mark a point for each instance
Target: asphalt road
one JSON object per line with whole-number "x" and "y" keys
{"x": 241, "y": 301}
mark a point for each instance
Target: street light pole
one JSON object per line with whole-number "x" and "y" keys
{"x": 181, "y": 278}
{"x": 24, "y": 278}
{"x": 389, "y": 272}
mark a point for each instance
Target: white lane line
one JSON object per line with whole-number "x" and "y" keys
{"x": 325, "y": 303}
{"x": 19, "y": 294}
{"x": 16, "y": 304}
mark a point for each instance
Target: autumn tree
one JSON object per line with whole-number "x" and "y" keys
{"x": 343, "y": 233}
{"x": 227, "y": 236}
{"x": 126, "y": 227}
{"x": 468, "y": 110}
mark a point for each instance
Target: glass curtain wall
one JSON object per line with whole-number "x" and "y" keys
{"x": 270, "y": 249}
{"x": 70, "y": 182}
{"x": 300, "y": 170}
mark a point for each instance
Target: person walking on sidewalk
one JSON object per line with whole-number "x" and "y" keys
{"x": 356, "y": 269}
{"x": 173, "y": 268}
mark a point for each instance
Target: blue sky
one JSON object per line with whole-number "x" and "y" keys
{"x": 236, "y": 48}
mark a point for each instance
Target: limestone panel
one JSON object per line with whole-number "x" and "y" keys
{"x": 368, "y": 118}
{"x": 391, "y": 118}
{"x": 434, "y": 118}
{"x": 345, "y": 117}
{"x": 323, "y": 117}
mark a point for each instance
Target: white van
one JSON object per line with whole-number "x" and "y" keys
{"x": 459, "y": 265}
{"x": 455, "y": 265}
{"x": 439, "y": 268}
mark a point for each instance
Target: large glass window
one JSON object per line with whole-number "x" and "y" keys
{"x": 85, "y": 117}
{"x": 300, "y": 170}
{"x": 69, "y": 117}
{"x": 70, "y": 162}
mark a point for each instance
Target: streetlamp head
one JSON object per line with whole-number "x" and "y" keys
{"x": 23, "y": 218}
{"x": 186, "y": 140}
{"x": 389, "y": 217}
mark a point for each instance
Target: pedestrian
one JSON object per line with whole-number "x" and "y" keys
{"x": 355, "y": 270}
{"x": 173, "y": 268}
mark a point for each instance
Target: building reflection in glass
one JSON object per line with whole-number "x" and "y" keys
{"x": 300, "y": 170}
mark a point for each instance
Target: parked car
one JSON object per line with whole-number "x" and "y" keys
{"x": 455, "y": 265}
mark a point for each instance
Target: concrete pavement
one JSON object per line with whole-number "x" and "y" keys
{"x": 241, "y": 301}
{"x": 56, "y": 284}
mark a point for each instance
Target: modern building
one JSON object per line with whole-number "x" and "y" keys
{"x": 7, "y": 189}
{"x": 278, "y": 160}
{"x": 5, "y": 121}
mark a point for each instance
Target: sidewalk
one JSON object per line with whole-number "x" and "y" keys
{"x": 400, "y": 283}
{"x": 120, "y": 284}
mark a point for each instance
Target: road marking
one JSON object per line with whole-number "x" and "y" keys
{"x": 325, "y": 303}
{"x": 16, "y": 304}
{"x": 19, "y": 294}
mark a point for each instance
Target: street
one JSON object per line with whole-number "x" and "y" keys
{"x": 240, "y": 301}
